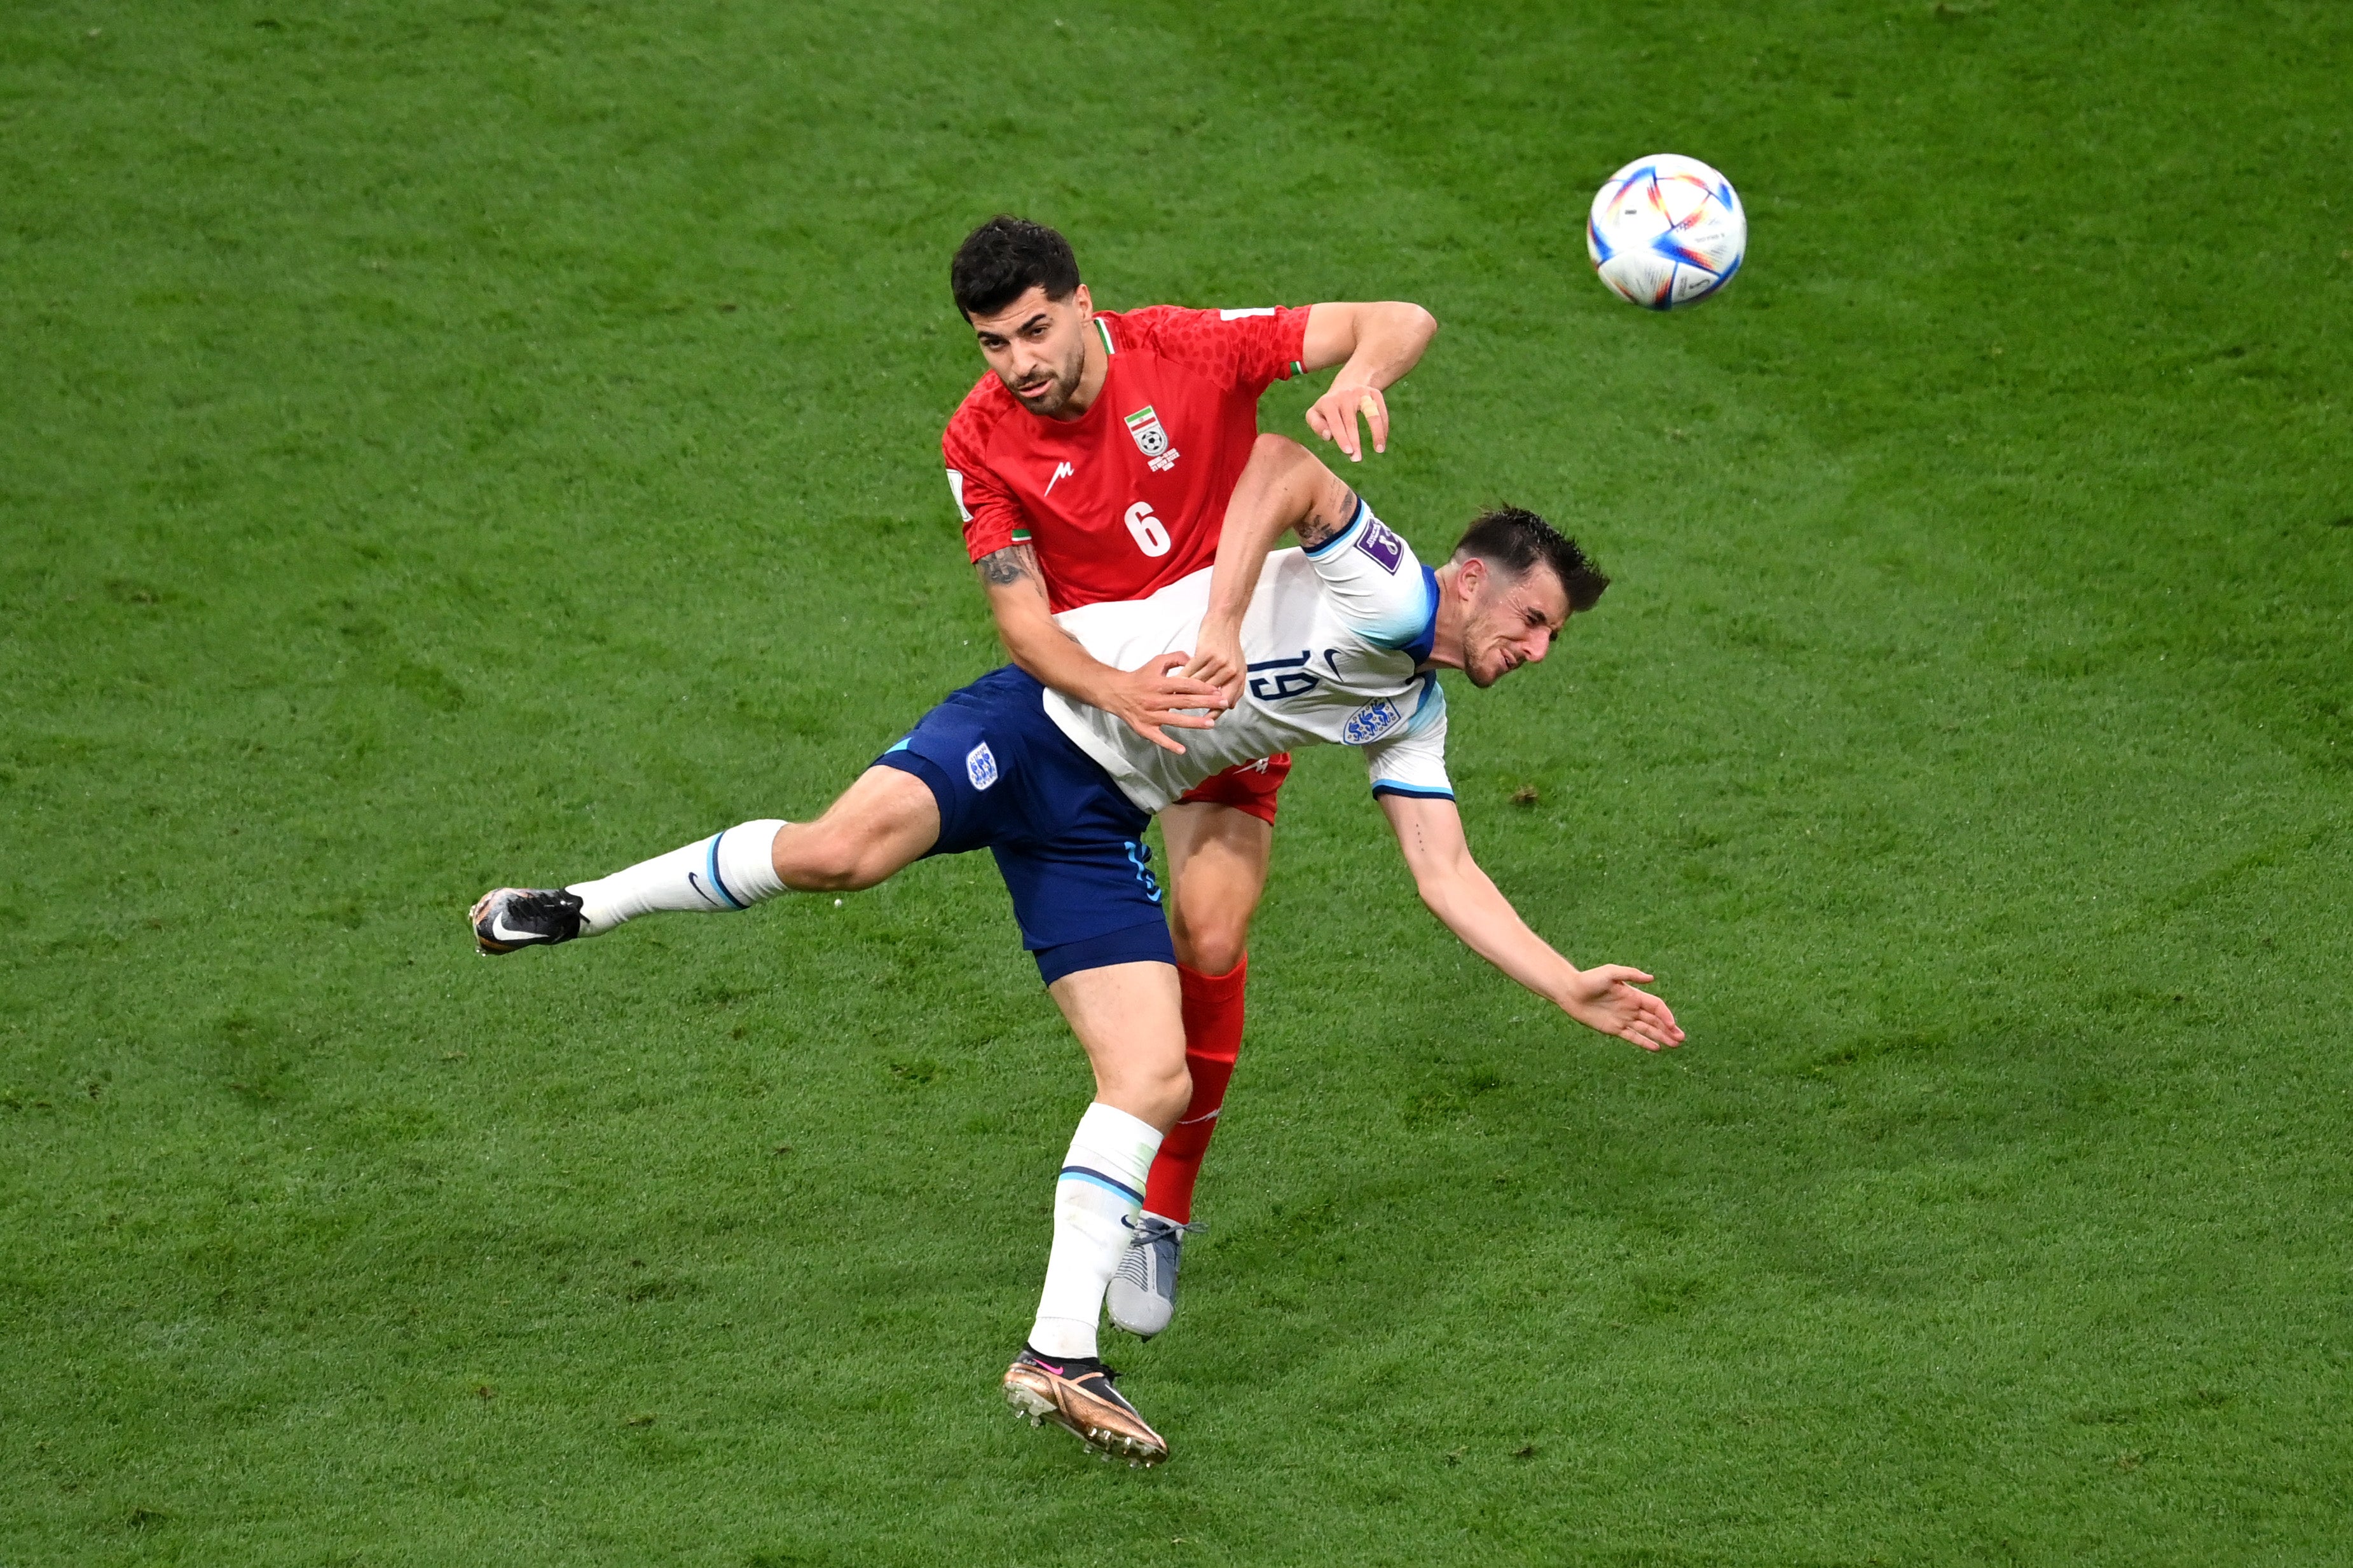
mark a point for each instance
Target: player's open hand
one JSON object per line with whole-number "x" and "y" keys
{"x": 1218, "y": 661}
{"x": 1605, "y": 999}
{"x": 1334, "y": 417}
{"x": 1155, "y": 696}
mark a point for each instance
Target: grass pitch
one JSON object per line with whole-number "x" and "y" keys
{"x": 448, "y": 443}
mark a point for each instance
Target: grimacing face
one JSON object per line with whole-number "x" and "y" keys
{"x": 1038, "y": 347}
{"x": 1511, "y": 620}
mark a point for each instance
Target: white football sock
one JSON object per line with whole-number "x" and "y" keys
{"x": 1102, "y": 1184}
{"x": 730, "y": 870}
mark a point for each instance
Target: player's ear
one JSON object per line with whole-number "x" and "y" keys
{"x": 1084, "y": 301}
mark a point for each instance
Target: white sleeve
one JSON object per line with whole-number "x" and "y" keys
{"x": 1377, "y": 585}
{"x": 1410, "y": 759}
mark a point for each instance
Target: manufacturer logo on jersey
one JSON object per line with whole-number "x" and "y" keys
{"x": 980, "y": 766}
{"x": 1152, "y": 439}
{"x": 1386, "y": 548}
{"x": 1061, "y": 472}
{"x": 1370, "y": 723}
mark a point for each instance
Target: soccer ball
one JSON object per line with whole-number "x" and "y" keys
{"x": 1666, "y": 231}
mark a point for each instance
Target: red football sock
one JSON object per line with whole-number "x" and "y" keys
{"x": 1213, "y": 1037}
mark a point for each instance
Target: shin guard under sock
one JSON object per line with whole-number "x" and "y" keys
{"x": 1101, "y": 1184}
{"x": 730, "y": 870}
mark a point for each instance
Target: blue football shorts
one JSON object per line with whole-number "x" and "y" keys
{"x": 1069, "y": 845}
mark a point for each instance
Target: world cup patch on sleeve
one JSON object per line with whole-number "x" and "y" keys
{"x": 1386, "y": 548}
{"x": 1370, "y": 723}
{"x": 980, "y": 766}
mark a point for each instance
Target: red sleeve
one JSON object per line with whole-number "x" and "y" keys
{"x": 1246, "y": 349}
{"x": 992, "y": 517}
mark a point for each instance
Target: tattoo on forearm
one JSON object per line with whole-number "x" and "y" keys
{"x": 1002, "y": 568}
{"x": 1318, "y": 526}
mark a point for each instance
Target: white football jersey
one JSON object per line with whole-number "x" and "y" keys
{"x": 1335, "y": 638}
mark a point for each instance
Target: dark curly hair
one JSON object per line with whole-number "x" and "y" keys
{"x": 1006, "y": 258}
{"x": 1512, "y": 540}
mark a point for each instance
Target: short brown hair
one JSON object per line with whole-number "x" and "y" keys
{"x": 1512, "y": 539}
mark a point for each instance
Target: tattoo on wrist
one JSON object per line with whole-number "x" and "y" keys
{"x": 1001, "y": 568}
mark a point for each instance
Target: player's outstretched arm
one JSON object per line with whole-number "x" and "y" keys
{"x": 1374, "y": 345}
{"x": 1146, "y": 700}
{"x": 1458, "y": 893}
{"x": 1285, "y": 487}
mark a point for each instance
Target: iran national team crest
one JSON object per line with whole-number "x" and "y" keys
{"x": 1152, "y": 439}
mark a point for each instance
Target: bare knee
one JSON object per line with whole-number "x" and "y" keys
{"x": 831, "y": 857}
{"x": 1215, "y": 951}
{"x": 1155, "y": 1092}
{"x": 881, "y": 823}
{"x": 1211, "y": 936}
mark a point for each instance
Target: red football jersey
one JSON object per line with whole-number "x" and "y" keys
{"x": 1129, "y": 496}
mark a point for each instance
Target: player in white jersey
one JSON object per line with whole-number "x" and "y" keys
{"x": 1343, "y": 639}
{"x": 1336, "y": 637}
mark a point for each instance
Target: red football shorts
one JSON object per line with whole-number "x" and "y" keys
{"x": 1251, "y": 787}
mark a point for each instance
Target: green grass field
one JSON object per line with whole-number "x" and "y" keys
{"x": 480, "y": 440}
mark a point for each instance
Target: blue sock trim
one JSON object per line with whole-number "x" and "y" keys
{"x": 1081, "y": 1173}
{"x": 732, "y": 901}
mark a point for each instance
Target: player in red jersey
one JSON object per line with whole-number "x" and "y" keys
{"x": 1094, "y": 463}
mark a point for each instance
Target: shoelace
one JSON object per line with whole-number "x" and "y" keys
{"x": 1163, "y": 1226}
{"x": 549, "y": 910}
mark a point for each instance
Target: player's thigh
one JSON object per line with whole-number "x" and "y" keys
{"x": 1129, "y": 1018}
{"x": 885, "y": 821}
{"x": 1218, "y": 858}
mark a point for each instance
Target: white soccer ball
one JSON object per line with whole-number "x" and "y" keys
{"x": 1666, "y": 231}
